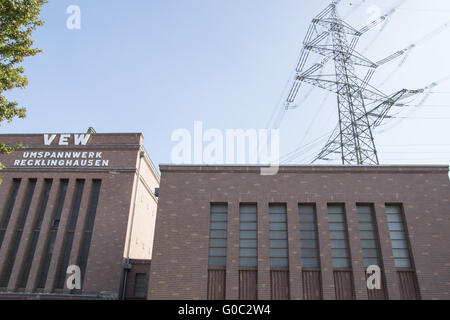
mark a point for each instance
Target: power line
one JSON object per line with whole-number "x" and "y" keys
{"x": 423, "y": 118}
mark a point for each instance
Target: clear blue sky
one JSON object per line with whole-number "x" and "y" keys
{"x": 155, "y": 66}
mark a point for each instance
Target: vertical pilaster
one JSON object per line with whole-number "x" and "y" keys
{"x": 232, "y": 272}
{"x": 79, "y": 229}
{"x": 26, "y": 236}
{"x": 263, "y": 251}
{"x": 12, "y": 225}
{"x": 60, "y": 237}
{"x": 295, "y": 270}
{"x": 43, "y": 236}
{"x": 359, "y": 277}
{"x": 328, "y": 289}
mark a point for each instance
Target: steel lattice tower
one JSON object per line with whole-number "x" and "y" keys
{"x": 361, "y": 107}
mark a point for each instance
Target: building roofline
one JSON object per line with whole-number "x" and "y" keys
{"x": 306, "y": 168}
{"x": 67, "y": 132}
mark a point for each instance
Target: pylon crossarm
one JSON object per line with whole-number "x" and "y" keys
{"x": 372, "y": 25}
{"x": 391, "y": 57}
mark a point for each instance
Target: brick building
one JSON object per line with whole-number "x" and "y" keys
{"x": 309, "y": 232}
{"x": 76, "y": 199}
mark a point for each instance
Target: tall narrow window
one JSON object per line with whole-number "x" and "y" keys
{"x": 89, "y": 227}
{"x": 67, "y": 247}
{"x": 29, "y": 253}
{"x": 248, "y": 236}
{"x": 402, "y": 252}
{"x": 6, "y": 216}
{"x": 338, "y": 236}
{"x": 340, "y": 253}
{"x": 400, "y": 245}
{"x": 309, "y": 245}
{"x": 368, "y": 236}
{"x": 370, "y": 245}
{"x": 278, "y": 252}
{"x": 217, "y": 251}
{"x": 278, "y": 236}
{"x": 248, "y": 251}
{"x": 50, "y": 243}
{"x": 12, "y": 252}
{"x": 140, "y": 285}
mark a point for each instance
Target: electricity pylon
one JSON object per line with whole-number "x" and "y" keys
{"x": 361, "y": 107}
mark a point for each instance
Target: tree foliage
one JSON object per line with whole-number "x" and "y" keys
{"x": 18, "y": 20}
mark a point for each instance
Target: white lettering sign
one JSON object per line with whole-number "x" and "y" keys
{"x": 79, "y": 139}
{"x": 61, "y": 159}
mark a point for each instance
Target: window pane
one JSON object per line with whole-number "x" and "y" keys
{"x": 366, "y": 226}
{"x": 277, "y": 234}
{"x": 341, "y": 263}
{"x": 218, "y": 243}
{"x": 248, "y": 234}
{"x": 244, "y": 252}
{"x": 277, "y": 208}
{"x": 279, "y": 262}
{"x": 399, "y": 244}
{"x": 335, "y": 218}
{"x": 371, "y": 262}
{"x": 308, "y": 235}
{"x": 395, "y": 226}
{"x": 217, "y": 261}
{"x": 307, "y": 226}
{"x": 394, "y": 218}
{"x": 277, "y": 244}
{"x": 219, "y": 217}
{"x": 248, "y": 208}
{"x": 248, "y": 217}
{"x": 332, "y": 209}
{"x": 278, "y": 226}
{"x": 277, "y": 253}
{"x": 370, "y": 253}
{"x": 309, "y": 244}
{"x": 397, "y": 235}
{"x": 244, "y": 243}
{"x": 339, "y": 253}
{"x": 217, "y": 252}
{"x": 310, "y": 262}
{"x": 307, "y": 218}
{"x": 338, "y": 244}
{"x": 218, "y": 234}
{"x": 363, "y": 235}
{"x": 364, "y": 217}
{"x": 219, "y": 208}
{"x": 337, "y": 226}
{"x": 248, "y": 226}
{"x": 402, "y": 263}
{"x": 248, "y": 262}
{"x": 310, "y": 253}
{"x": 277, "y": 218}
{"x": 393, "y": 209}
{"x": 401, "y": 253}
{"x": 218, "y": 225}
{"x": 368, "y": 244}
{"x": 341, "y": 235}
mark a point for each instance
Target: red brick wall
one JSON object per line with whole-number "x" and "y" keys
{"x": 180, "y": 257}
{"x": 105, "y": 262}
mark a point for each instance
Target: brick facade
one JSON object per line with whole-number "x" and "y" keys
{"x": 180, "y": 260}
{"x": 118, "y": 176}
